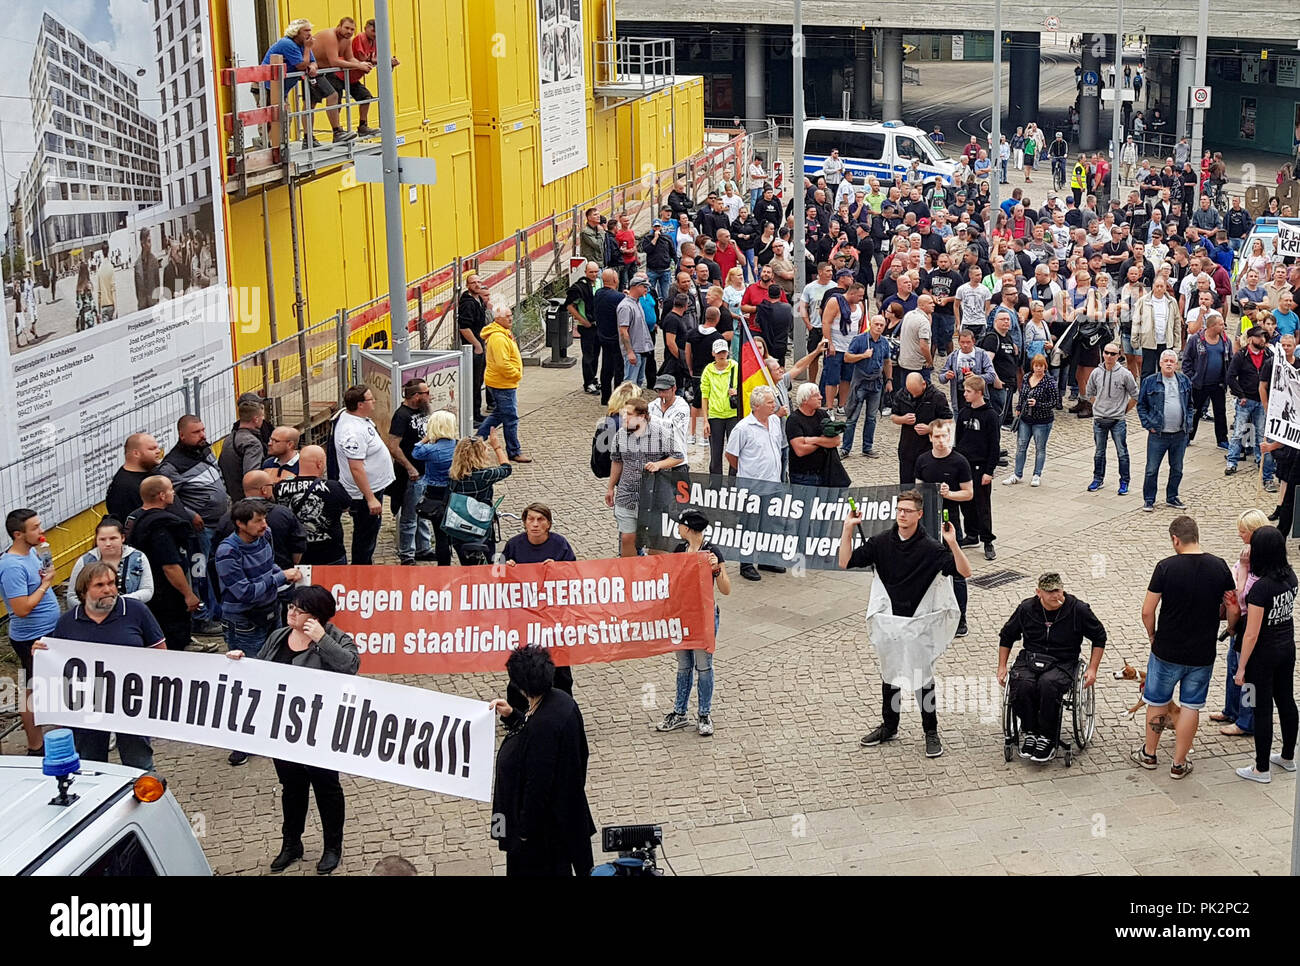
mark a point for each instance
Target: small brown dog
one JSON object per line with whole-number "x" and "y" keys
{"x": 1130, "y": 673}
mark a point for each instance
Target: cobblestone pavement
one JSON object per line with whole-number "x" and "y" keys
{"x": 783, "y": 785}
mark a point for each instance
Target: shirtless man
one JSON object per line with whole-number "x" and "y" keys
{"x": 333, "y": 48}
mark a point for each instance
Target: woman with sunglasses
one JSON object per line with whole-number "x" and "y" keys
{"x": 309, "y": 641}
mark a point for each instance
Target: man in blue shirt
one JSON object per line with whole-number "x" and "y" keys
{"x": 295, "y": 48}
{"x": 1285, "y": 313}
{"x": 25, "y": 583}
{"x": 869, "y": 358}
{"x": 106, "y": 617}
{"x": 606, "y": 302}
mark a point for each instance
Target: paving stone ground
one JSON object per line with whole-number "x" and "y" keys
{"x": 783, "y": 786}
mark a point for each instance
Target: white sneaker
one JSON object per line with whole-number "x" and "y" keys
{"x": 1011, "y": 481}
{"x": 1286, "y": 764}
{"x": 1036, "y": 480}
{"x": 1249, "y": 773}
{"x": 691, "y": 441}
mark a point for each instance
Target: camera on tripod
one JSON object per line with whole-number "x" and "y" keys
{"x": 635, "y": 845}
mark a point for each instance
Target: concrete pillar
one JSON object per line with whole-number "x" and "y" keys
{"x": 1026, "y": 52}
{"x": 1182, "y": 81}
{"x": 1089, "y": 104}
{"x": 755, "y": 80}
{"x": 891, "y": 74}
{"x": 862, "y": 75}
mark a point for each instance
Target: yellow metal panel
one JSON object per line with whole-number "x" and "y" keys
{"x": 324, "y": 237}
{"x": 407, "y": 91}
{"x": 445, "y": 62}
{"x": 358, "y": 284}
{"x": 248, "y": 267}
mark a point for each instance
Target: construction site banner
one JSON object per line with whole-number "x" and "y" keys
{"x": 563, "y": 82}
{"x": 115, "y": 269}
{"x": 427, "y": 620}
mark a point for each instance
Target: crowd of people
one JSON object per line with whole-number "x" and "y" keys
{"x": 957, "y": 321}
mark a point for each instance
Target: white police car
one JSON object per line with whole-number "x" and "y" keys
{"x": 60, "y": 817}
{"x": 880, "y": 148}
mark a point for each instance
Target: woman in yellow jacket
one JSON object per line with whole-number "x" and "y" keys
{"x": 503, "y": 371}
{"x": 720, "y": 392}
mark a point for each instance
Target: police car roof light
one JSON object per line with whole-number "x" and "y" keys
{"x": 60, "y": 754}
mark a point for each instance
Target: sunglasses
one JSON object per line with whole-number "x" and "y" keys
{"x": 1110, "y": 353}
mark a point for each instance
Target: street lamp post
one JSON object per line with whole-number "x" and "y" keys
{"x": 995, "y": 126}
{"x": 397, "y": 315}
{"x": 795, "y": 181}
{"x": 1198, "y": 134}
{"x": 1117, "y": 89}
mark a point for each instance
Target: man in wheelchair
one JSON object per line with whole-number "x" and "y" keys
{"x": 1052, "y": 625}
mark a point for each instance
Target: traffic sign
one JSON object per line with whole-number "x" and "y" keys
{"x": 1200, "y": 97}
{"x": 1052, "y": 23}
{"x": 1091, "y": 78}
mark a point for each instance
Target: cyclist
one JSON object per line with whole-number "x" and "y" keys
{"x": 1057, "y": 151}
{"x": 1078, "y": 179}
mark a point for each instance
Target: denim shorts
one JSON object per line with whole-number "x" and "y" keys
{"x": 625, "y": 518}
{"x": 832, "y": 363}
{"x": 1193, "y": 684}
{"x": 1128, "y": 347}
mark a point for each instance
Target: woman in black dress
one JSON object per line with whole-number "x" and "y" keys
{"x": 540, "y": 816}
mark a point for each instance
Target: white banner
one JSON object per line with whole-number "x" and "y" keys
{"x": 404, "y": 735}
{"x": 563, "y": 82}
{"x": 1288, "y": 238}
{"x": 908, "y": 647}
{"x": 1283, "y": 422}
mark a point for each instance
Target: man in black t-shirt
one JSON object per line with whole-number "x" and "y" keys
{"x": 580, "y": 304}
{"x": 942, "y": 284}
{"x": 319, "y": 504}
{"x": 906, "y": 561}
{"x": 951, "y": 472}
{"x": 1188, "y": 589}
{"x": 809, "y": 445}
{"x": 164, "y": 541}
{"x": 472, "y": 313}
{"x": 414, "y": 533}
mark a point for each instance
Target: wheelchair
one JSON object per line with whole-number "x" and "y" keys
{"x": 1079, "y": 702}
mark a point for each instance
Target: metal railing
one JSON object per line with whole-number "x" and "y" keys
{"x": 636, "y": 65}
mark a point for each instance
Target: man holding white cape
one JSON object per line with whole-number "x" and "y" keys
{"x": 912, "y": 611}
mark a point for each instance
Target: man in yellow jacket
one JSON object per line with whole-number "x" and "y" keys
{"x": 1079, "y": 180}
{"x": 503, "y": 371}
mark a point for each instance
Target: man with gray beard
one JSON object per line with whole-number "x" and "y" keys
{"x": 105, "y": 617}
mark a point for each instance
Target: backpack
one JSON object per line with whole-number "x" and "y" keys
{"x": 601, "y": 464}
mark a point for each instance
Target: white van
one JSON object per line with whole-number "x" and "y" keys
{"x": 880, "y": 148}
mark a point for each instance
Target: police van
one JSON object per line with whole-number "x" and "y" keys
{"x": 60, "y": 817}
{"x": 879, "y": 148}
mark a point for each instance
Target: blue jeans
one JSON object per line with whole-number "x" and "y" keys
{"x": 1158, "y": 444}
{"x": 998, "y": 403}
{"x": 861, "y": 400}
{"x": 805, "y": 479}
{"x": 1236, "y": 243}
{"x": 414, "y": 533}
{"x": 1242, "y": 713}
{"x": 661, "y": 283}
{"x": 247, "y": 632}
{"x": 1248, "y": 412}
{"x": 754, "y": 195}
{"x": 204, "y": 589}
{"x": 634, "y": 372}
{"x": 750, "y": 265}
{"x": 1115, "y": 429}
{"x": 698, "y": 663}
{"x": 506, "y": 414}
{"x": 1039, "y": 432}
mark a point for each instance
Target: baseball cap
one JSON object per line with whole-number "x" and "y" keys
{"x": 1050, "y": 581}
{"x": 694, "y": 520}
{"x": 843, "y": 273}
{"x": 721, "y": 345}
{"x": 640, "y": 278}
{"x": 665, "y": 382}
{"x": 923, "y": 223}
{"x": 963, "y": 227}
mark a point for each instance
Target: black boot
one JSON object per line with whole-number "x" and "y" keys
{"x": 329, "y": 860}
{"x": 290, "y": 852}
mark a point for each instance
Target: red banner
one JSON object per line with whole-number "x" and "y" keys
{"x": 444, "y": 620}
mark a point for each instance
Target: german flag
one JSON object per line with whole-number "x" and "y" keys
{"x": 753, "y": 370}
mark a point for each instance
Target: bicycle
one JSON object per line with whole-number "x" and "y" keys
{"x": 1058, "y": 173}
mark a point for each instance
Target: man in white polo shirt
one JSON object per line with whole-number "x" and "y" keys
{"x": 754, "y": 450}
{"x": 365, "y": 469}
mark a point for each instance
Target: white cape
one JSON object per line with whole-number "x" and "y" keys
{"x": 908, "y": 647}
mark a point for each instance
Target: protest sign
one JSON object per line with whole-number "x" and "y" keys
{"x": 777, "y": 524}
{"x": 1288, "y": 239}
{"x": 408, "y": 736}
{"x": 1283, "y": 422}
{"x": 417, "y": 620}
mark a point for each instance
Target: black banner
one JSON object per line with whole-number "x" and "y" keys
{"x": 778, "y": 524}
